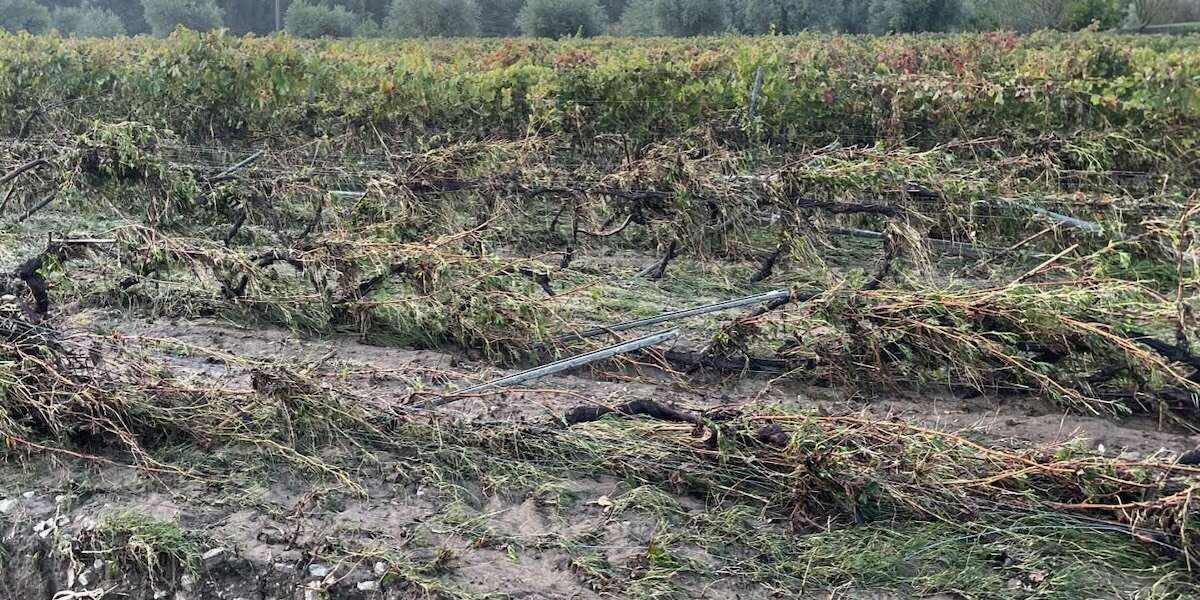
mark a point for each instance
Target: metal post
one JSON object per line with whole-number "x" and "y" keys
{"x": 756, "y": 90}
{"x": 563, "y": 365}
{"x": 1069, "y": 221}
{"x": 676, "y": 315}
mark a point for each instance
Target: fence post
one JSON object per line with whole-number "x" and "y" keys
{"x": 755, "y": 90}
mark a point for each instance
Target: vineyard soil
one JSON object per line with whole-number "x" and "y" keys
{"x": 270, "y": 531}
{"x": 925, "y": 311}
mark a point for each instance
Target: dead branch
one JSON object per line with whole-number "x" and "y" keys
{"x": 567, "y": 257}
{"x": 1170, "y": 352}
{"x": 368, "y": 285}
{"x": 13, "y": 174}
{"x": 604, "y": 234}
{"x": 35, "y": 208}
{"x": 649, "y": 408}
{"x": 767, "y": 265}
{"x": 659, "y": 270}
{"x": 562, "y": 207}
{"x": 236, "y": 227}
{"x": 890, "y": 253}
{"x": 313, "y": 223}
{"x": 264, "y": 260}
{"x": 28, "y": 272}
{"x": 706, "y": 361}
{"x": 7, "y": 197}
{"x": 541, "y": 279}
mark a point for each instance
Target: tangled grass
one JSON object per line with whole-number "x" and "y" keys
{"x": 999, "y": 274}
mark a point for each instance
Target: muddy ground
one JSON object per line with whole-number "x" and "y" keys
{"x": 271, "y": 532}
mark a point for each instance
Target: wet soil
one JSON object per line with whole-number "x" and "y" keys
{"x": 274, "y": 533}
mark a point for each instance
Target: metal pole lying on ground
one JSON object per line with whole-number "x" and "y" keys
{"x": 223, "y": 175}
{"x": 562, "y": 365}
{"x": 675, "y": 315}
{"x": 1062, "y": 219}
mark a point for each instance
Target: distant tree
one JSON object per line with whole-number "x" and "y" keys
{"x": 1185, "y": 11}
{"x": 1040, "y": 14}
{"x": 561, "y": 18}
{"x": 87, "y": 20}
{"x": 307, "y": 20}
{"x": 24, "y": 15}
{"x": 735, "y": 13}
{"x": 166, "y": 15}
{"x": 615, "y": 9}
{"x": 367, "y": 27}
{"x": 376, "y": 9}
{"x": 639, "y": 20}
{"x": 131, "y": 13}
{"x": 1081, "y": 14}
{"x": 498, "y": 18}
{"x": 779, "y": 16}
{"x": 989, "y": 15}
{"x": 915, "y": 15}
{"x": 852, "y": 16}
{"x": 433, "y": 18}
{"x": 1140, "y": 14}
{"x": 1028, "y": 15}
{"x": 690, "y": 17}
{"x": 242, "y": 16}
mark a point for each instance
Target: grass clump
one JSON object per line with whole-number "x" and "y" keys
{"x": 163, "y": 550}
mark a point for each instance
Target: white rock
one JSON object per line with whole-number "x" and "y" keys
{"x": 367, "y": 586}
{"x": 27, "y": 495}
{"x": 159, "y": 594}
{"x": 212, "y": 555}
{"x": 98, "y": 565}
{"x": 381, "y": 568}
{"x": 85, "y": 578}
{"x": 45, "y": 528}
{"x": 187, "y": 582}
{"x": 315, "y": 570}
{"x": 7, "y": 506}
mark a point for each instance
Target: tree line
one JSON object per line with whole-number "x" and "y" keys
{"x": 560, "y": 18}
